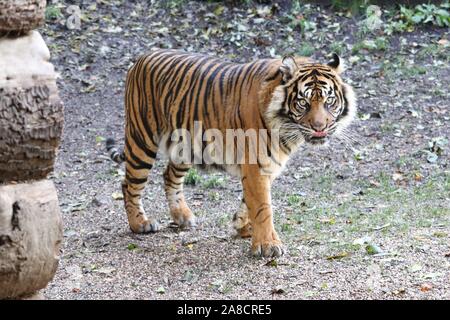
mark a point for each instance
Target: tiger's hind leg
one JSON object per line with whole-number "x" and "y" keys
{"x": 173, "y": 185}
{"x": 241, "y": 221}
{"x": 138, "y": 165}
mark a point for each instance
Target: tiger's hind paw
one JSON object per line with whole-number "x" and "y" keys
{"x": 184, "y": 218}
{"x": 241, "y": 223}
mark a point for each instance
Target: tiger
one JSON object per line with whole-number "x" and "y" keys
{"x": 294, "y": 99}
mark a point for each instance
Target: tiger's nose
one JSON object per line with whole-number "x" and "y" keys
{"x": 318, "y": 125}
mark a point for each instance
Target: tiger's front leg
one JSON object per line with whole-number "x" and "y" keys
{"x": 265, "y": 240}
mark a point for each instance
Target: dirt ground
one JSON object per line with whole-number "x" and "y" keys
{"x": 367, "y": 220}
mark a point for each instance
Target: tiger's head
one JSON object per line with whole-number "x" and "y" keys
{"x": 312, "y": 103}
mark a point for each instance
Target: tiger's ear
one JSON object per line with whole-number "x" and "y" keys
{"x": 288, "y": 68}
{"x": 336, "y": 64}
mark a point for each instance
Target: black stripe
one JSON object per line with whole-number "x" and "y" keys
{"x": 134, "y": 180}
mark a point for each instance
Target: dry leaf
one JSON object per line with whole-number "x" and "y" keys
{"x": 117, "y": 195}
{"x": 278, "y": 290}
{"x": 338, "y": 256}
{"x": 426, "y": 287}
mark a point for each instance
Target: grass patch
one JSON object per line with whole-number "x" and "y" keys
{"x": 338, "y": 47}
{"x": 53, "y": 12}
{"x": 400, "y": 67}
{"x": 192, "y": 177}
{"x": 306, "y": 50}
{"x": 293, "y": 200}
{"x": 385, "y": 209}
{"x": 355, "y": 7}
{"x": 214, "y": 182}
{"x": 371, "y": 45}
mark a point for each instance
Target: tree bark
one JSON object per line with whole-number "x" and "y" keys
{"x": 31, "y": 113}
{"x": 30, "y": 237}
{"x": 20, "y": 16}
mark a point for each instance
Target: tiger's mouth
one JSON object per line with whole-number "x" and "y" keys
{"x": 317, "y": 137}
{"x": 315, "y": 140}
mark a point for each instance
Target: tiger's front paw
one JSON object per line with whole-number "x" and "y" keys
{"x": 142, "y": 224}
{"x": 270, "y": 249}
{"x": 267, "y": 245}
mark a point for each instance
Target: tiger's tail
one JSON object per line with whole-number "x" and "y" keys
{"x": 116, "y": 155}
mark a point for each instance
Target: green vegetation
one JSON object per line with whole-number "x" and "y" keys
{"x": 426, "y": 13}
{"x": 401, "y": 67}
{"x": 406, "y": 19}
{"x": 53, "y": 12}
{"x": 379, "y": 44}
{"x": 293, "y": 200}
{"x": 192, "y": 177}
{"x": 382, "y": 206}
{"x": 306, "y": 50}
{"x": 354, "y": 7}
{"x": 214, "y": 182}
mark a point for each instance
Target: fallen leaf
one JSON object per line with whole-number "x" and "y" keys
{"x": 271, "y": 263}
{"x": 443, "y": 42}
{"x": 219, "y": 10}
{"x": 117, "y": 195}
{"x": 99, "y": 139}
{"x": 373, "y": 249}
{"x": 278, "y": 290}
{"x": 399, "y": 291}
{"x": 440, "y": 234}
{"x": 381, "y": 227}
{"x": 432, "y": 275}
{"x": 161, "y": 290}
{"x": 362, "y": 241}
{"x": 132, "y": 246}
{"x": 325, "y": 271}
{"x": 415, "y": 267}
{"x": 338, "y": 256}
{"x": 425, "y": 287}
{"x": 331, "y": 220}
{"x": 431, "y": 157}
{"x": 186, "y": 242}
{"x": 375, "y": 183}
{"x": 113, "y": 29}
{"x": 106, "y": 270}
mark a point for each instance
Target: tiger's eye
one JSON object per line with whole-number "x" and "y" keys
{"x": 330, "y": 100}
{"x": 302, "y": 102}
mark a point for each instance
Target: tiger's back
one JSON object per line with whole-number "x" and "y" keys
{"x": 175, "y": 89}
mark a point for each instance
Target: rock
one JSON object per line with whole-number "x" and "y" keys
{"x": 31, "y": 113}
{"x": 20, "y": 16}
{"x": 30, "y": 237}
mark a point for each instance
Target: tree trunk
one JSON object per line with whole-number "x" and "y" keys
{"x": 31, "y": 113}
{"x": 30, "y": 237}
{"x": 20, "y": 16}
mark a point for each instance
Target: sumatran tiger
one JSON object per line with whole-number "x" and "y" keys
{"x": 169, "y": 93}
